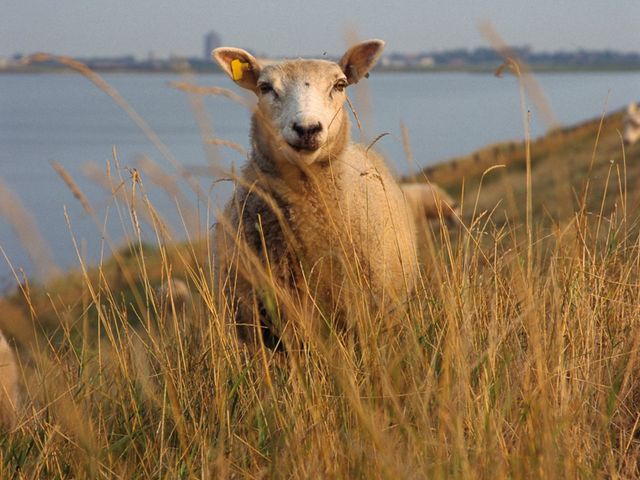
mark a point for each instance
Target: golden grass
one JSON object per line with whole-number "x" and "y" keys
{"x": 516, "y": 358}
{"x": 27, "y": 231}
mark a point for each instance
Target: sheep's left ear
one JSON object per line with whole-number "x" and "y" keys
{"x": 360, "y": 58}
{"x": 239, "y": 65}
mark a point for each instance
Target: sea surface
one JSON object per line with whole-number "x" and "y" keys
{"x": 67, "y": 119}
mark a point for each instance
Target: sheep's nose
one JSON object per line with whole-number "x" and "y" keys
{"x": 307, "y": 131}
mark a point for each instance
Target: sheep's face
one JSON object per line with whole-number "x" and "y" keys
{"x": 301, "y": 102}
{"x": 632, "y": 125}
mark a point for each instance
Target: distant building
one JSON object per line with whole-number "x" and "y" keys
{"x": 426, "y": 62}
{"x": 211, "y": 41}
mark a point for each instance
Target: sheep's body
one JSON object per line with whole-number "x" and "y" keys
{"x": 9, "y": 395}
{"x": 322, "y": 217}
{"x": 350, "y": 220}
{"x": 428, "y": 202}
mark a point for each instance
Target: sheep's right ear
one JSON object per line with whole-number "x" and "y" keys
{"x": 632, "y": 108}
{"x": 239, "y": 65}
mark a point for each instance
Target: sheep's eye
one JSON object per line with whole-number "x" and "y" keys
{"x": 266, "y": 88}
{"x": 340, "y": 85}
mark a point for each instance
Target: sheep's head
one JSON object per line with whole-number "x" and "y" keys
{"x": 631, "y": 124}
{"x": 300, "y": 110}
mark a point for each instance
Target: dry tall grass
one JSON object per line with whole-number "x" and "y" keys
{"x": 516, "y": 358}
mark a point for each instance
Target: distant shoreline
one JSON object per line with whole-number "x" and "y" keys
{"x": 487, "y": 69}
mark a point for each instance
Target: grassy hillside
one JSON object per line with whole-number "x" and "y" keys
{"x": 562, "y": 163}
{"x": 517, "y": 357}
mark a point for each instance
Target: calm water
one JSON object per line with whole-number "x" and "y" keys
{"x": 65, "y": 118}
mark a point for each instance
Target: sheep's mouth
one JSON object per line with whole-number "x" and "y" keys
{"x": 305, "y": 147}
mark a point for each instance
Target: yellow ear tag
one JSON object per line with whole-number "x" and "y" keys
{"x": 237, "y": 69}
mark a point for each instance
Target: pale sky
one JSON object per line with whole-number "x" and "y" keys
{"x": 296, "y": 27}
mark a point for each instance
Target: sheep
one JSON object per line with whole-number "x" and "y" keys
{"x": 631, "y": 124}
{"x": 9, "y": 392}
{"x": 428, "y": 202}
{"x": 319, "y": 213}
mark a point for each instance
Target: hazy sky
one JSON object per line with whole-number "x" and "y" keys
{"x": 296, "y": 27}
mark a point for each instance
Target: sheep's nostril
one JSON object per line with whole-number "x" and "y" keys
{"x": 307, "y": 131}
{"x": 313, "y": 129}
{"x": 298, "y": 129}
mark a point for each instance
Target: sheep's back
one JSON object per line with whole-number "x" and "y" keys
{"x": 380, "y": 221}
